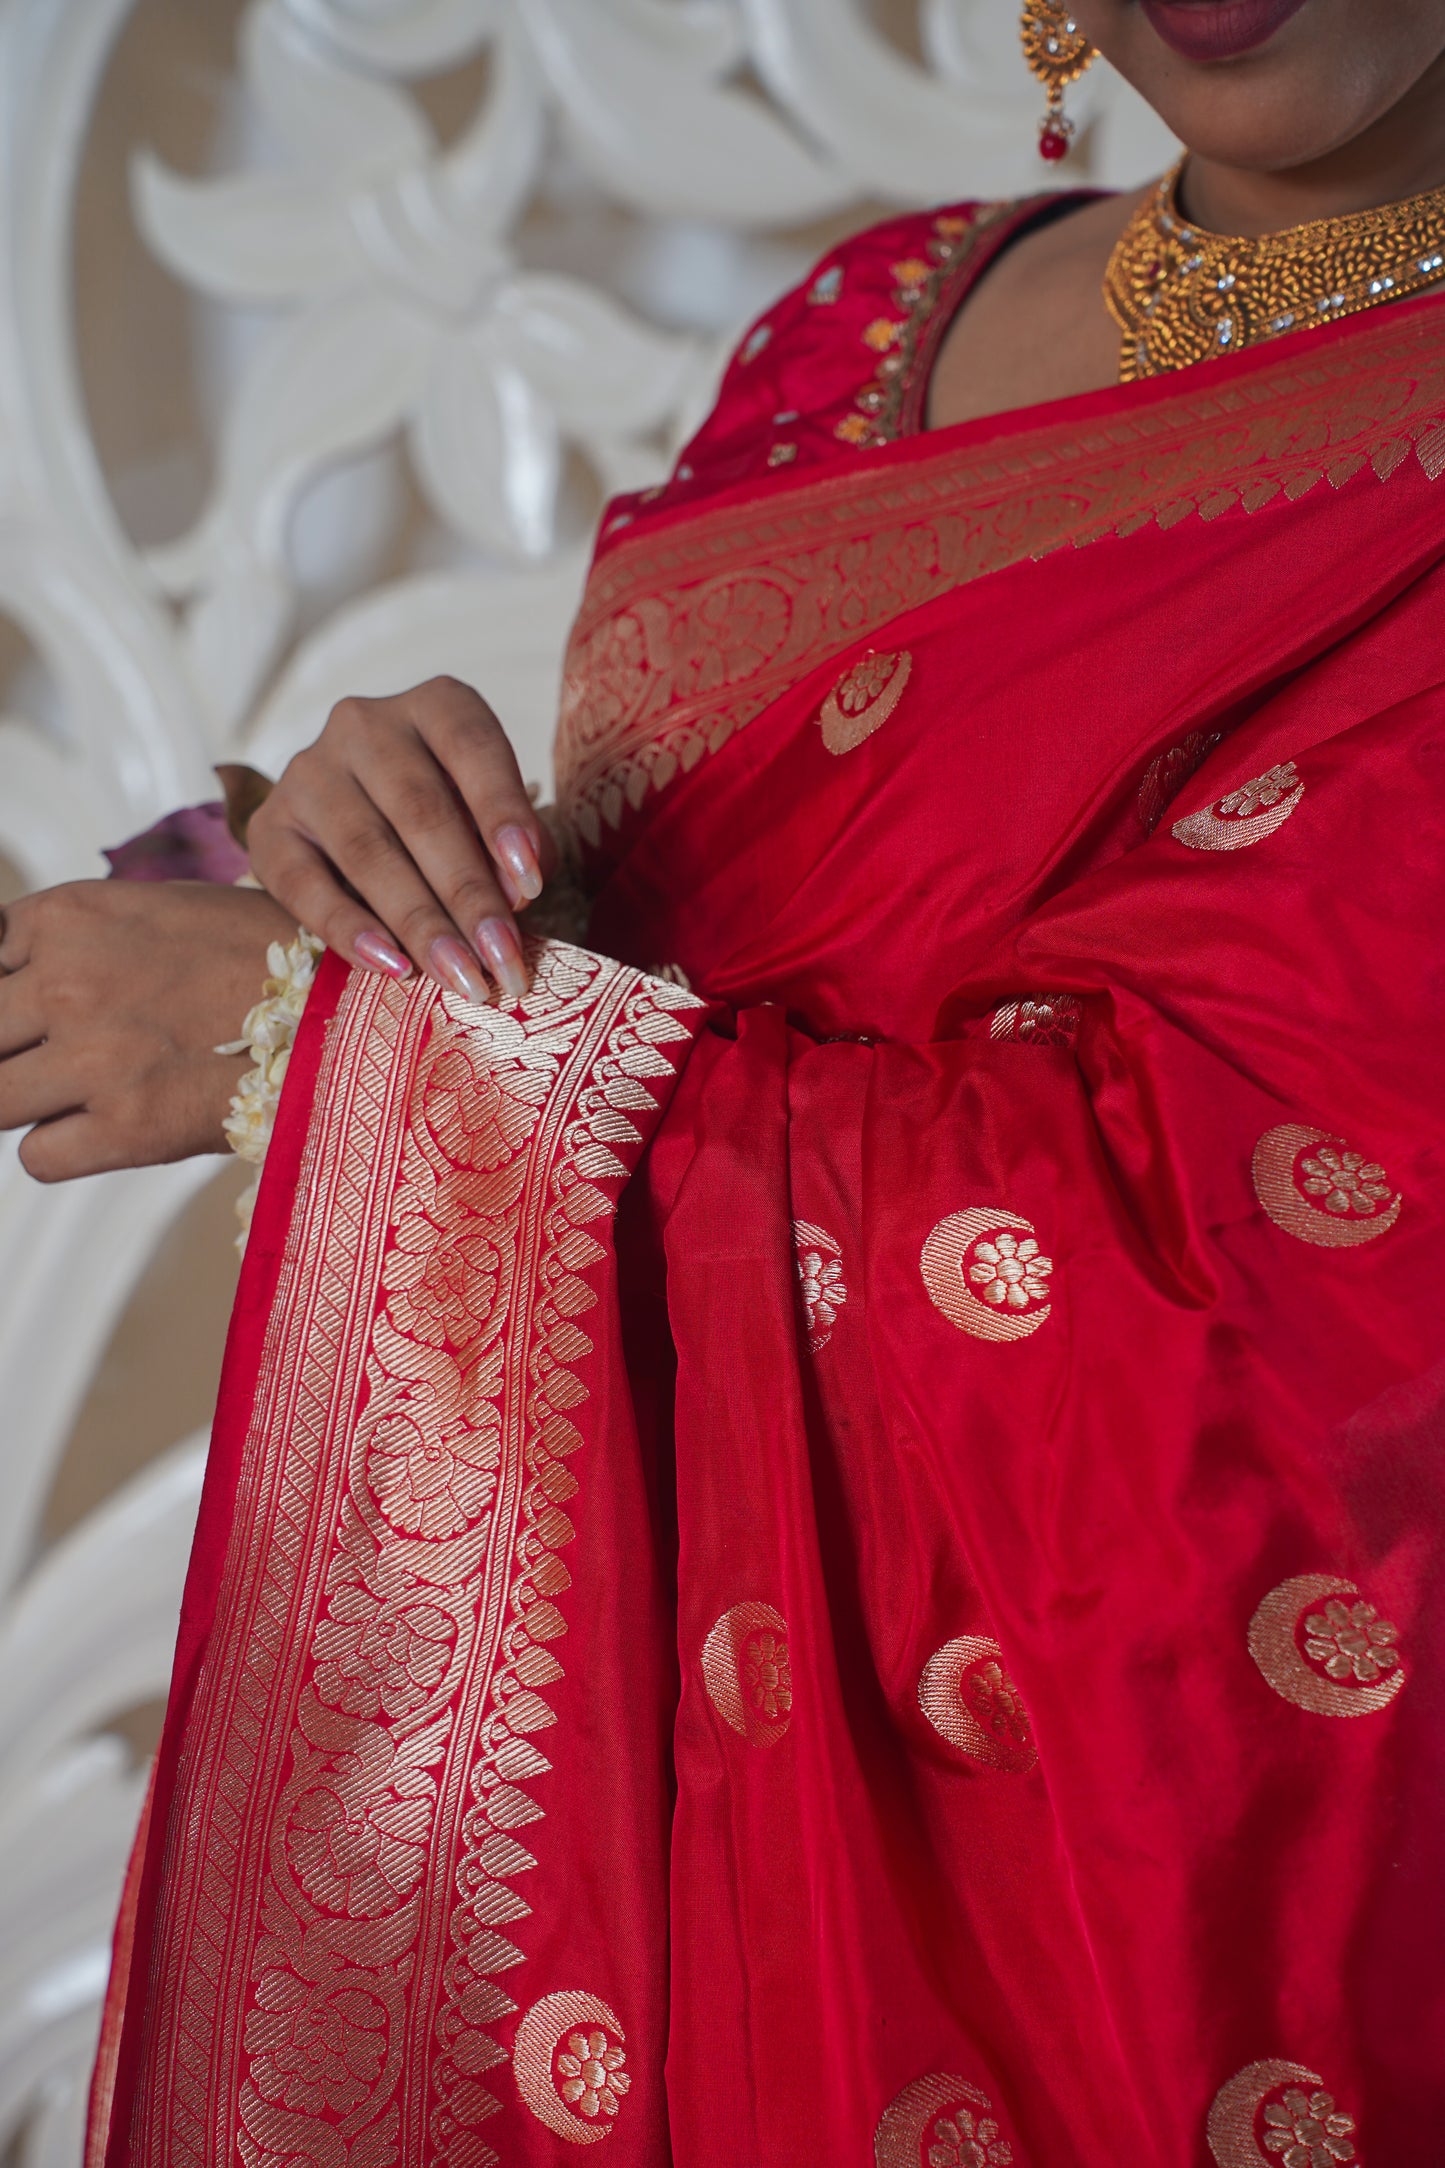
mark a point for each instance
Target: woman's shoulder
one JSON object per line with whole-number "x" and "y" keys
{"x": 834, "y": 364}
{"x": 823, "y": 366}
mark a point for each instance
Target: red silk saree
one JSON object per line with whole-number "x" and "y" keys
{"x": 845, "y": 1565}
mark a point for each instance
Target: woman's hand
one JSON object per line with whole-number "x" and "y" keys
{"x": 114, "y": 996}
{"x": 405, "y": 835}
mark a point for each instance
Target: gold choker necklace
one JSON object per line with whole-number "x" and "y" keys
{"x": 1179, "y": 294}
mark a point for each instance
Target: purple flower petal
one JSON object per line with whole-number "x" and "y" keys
{"x": 192, "y": 844}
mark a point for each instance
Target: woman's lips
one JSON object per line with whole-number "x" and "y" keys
{"x": 1218, "y": 29}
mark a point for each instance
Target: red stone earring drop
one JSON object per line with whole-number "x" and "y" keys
{"x": 1057, "y": 52}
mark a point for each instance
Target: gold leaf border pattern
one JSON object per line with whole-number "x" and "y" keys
{"x": 685, "y": 636}
{"x": 393, "y": 1584}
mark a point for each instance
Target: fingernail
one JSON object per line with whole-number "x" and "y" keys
{"x": 514, "y": 848}
{"x": 499, "y": 944}
{"x": 375, "y": 950}
{"x": 459, "y": 970}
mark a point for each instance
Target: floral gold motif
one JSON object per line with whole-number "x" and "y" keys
{"x": 819, "y": 1264}
{"x": 766, "y": 1675}
{"x": 1319, "y": 1644}
{"x": 374, "y": 1655}
{"x": 1352, "y": 1641}
{"x": 683, "y": 639}
{"x": 593, "y": 2079}
{"x": 985, "y": 1271}
{"x": 1316, "y": 1187}
{"x": 941, "y": 2121}
{"x": 747, "y": 1670}
{"x": 1345, "y": 1182}
{"x": 569, "y": 2062}
{"x": 863, "y": 699}
{"x": 971, "y": 1701}
{"x": 1265, "y": 2118}
{"x": 1307, "y": 2130}
{"x": 1245, "y": 816}
{"x": 962, "y": 2139}
{"x": 1010, "y": 1273}
{"x": 318, "y": 2050}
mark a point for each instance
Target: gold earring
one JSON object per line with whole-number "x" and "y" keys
{"x": 1057, "y": 52}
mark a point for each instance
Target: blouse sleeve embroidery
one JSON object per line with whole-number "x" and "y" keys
{"x": 829, "y": 365}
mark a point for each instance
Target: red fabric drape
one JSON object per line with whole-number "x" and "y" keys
{"x": 924, "y": 1648}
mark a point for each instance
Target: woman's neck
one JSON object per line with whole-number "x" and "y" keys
{"x": 1401, "y": 155}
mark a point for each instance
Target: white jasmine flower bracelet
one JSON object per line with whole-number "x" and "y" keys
{"x": 268, "y": 1035}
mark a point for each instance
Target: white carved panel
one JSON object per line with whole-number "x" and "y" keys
{"x": 506, "y": 327}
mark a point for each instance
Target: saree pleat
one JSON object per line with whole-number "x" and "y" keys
{"x": 925, "y": 1649}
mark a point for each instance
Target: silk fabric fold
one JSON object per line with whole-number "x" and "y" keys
{"x": 917, "y": 1642}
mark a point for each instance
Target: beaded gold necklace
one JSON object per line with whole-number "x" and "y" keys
{"x": 1179, "y": 294}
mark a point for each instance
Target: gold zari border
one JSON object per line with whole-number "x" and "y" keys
{"x": 684, "y": 637}
{"x": 338, "y": 1904}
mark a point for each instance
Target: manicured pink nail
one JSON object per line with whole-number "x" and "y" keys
{"x": 376, "y": 950}
{"x": 457, "y": 968}
{"x": 499, "y": 944}
{"x": 514, "y": 848}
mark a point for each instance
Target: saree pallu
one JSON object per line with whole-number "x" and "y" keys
{"x": 846, "y": 1566}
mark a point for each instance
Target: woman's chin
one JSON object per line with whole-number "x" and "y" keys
{"x": 1255, "y": 130}
{"x": 1267, "y": 86}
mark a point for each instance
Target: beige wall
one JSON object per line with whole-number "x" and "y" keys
{"x": 156, "y": 1381}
